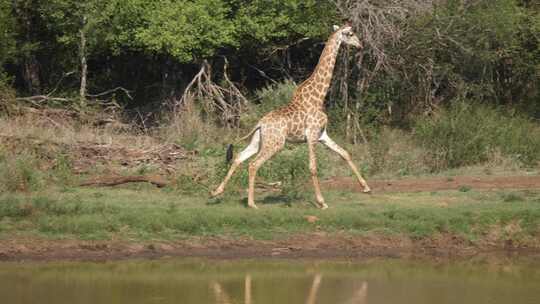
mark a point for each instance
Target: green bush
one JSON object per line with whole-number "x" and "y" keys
{"x": 274, "y": 96}
{"x": 466, "y": 134}
{"x": 266, "y": 100}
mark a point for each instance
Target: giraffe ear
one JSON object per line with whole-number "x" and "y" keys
{"x": 336, "y": 27}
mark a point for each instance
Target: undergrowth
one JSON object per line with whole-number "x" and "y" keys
{"x": 467, "y": 134}
{"x": 463, "y": 135}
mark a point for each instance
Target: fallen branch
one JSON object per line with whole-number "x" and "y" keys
{"x": 109, "y": 181}
{"x": 127, "y": 92}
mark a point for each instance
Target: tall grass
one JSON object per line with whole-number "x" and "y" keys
{"x": 467, "y": 134}
{"x": 20, "y": 173}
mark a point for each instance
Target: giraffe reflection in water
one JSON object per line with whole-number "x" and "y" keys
{"x": 359, "y": 296}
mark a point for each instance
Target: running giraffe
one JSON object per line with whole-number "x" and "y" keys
{"x": 302, "y": 120}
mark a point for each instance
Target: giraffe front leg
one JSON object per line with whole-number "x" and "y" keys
{"x": 327, "y": 141}
{"x": 314, "y": 178}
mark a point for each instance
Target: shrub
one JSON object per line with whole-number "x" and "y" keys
{"x": 466, "y": 134}
{"x": 394, "y": 151}
{"x": 274, "y": 96}
{"x": 7, "y": 96}
{"x": 268, "y": 99}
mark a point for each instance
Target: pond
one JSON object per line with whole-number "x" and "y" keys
{"x": 195, "y": 281}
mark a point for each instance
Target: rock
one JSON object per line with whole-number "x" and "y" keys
{"x": 311, "y": 218}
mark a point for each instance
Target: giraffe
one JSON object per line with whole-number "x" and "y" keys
{"x": 359, "y": 295}
{"x": 302, "y": 120}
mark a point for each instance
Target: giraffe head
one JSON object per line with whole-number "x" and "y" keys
{"x": 346, "y": 35}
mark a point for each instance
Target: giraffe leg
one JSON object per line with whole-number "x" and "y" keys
{"x": 327, "y": 141}
{"x": 249, "y": 151}
{"x": 266, "y": 153}
{"x": 314, "y": 178}
{"x": 312, "y": 297}
{"x": 247, "y": 289}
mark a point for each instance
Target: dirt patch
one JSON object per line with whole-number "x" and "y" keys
{"x": 437, "y": 183}
{"x": 317, "y": 245}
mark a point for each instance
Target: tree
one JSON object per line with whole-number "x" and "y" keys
{"x": 78, "y": 25}
{"x": 186, "y": 30}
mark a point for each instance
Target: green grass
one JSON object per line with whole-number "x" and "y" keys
{"x": 143, "y": 213}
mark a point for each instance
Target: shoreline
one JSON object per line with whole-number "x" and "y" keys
{"x": 301, "y": 246}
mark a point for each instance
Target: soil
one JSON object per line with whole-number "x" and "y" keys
{"x": 437, "y": 184}
{"x": 313, "y": 245}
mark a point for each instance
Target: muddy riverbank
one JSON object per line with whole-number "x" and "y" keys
{"x": 327, "y": 246}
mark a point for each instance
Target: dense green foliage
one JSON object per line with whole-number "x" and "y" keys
{"x": 485, "y": 50}
{"x": 151, "y": 40}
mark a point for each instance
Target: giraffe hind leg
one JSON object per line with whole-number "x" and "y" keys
{"x": 266, "y": 152}
{"x": 249, "y": 151}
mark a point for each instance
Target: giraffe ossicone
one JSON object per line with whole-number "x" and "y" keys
{"x": 303, "y": 119}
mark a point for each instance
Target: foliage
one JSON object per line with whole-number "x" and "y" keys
{"x": 274, "y": 96}
{"x": 187, "y": 30}
{"x": 7, "y": 34}
{"x": 276, "y": 21}
{"x": 466, "y": 134}
{"x": 480, "y": 51}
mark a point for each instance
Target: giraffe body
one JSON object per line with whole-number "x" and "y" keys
{"x": 302, "y": 120}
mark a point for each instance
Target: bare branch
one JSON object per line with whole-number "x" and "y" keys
{"x": 127, "y": 92}
{"x": 225, "y": 100}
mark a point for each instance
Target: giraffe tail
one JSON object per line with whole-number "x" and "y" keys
{"x": 230, "y": 147}
{"x": 230, "y": 153}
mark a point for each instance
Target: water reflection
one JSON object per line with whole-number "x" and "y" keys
{"x": 271, "y": 282}
{"x": 359, "y": 295}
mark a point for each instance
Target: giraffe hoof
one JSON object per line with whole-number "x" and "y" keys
{"x": 323, "y": 206}
{"x": 367, "y": 190}
{"x": 253, "y": 206}
{"x": 216, "y": 192}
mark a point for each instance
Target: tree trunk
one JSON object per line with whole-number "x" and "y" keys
{"x": 31, "y": 75}
{"x": 84, "y": 65}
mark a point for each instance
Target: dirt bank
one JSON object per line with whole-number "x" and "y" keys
{"x": 318, "y": 245}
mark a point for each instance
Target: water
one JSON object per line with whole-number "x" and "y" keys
{"x": 260, "y": 282}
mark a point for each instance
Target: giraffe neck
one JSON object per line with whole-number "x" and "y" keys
{"x": 325, "y": 68}
{"x": 313, "y": 91}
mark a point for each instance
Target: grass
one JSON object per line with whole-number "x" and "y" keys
{"x": 142, "y": 213}
{"x": 38, "y": 197}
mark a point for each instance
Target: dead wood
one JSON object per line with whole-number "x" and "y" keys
{"x": 109, "y": 181}
{"x": 226, "y": 100}
{"x": 85, "y": 156}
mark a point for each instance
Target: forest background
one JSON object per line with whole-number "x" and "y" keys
{"x": 439, "y": 84}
